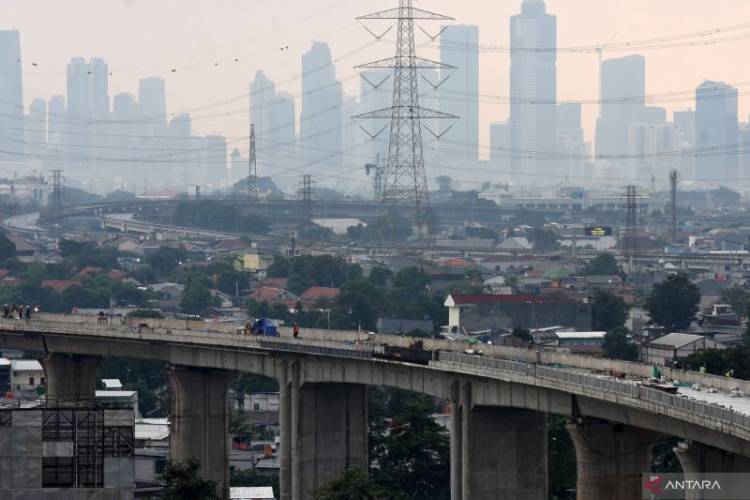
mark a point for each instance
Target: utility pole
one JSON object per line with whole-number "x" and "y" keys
{"x": 252, "y": 179}
{"x": 630, "y": 241}
{"x": 306, "y": 189}
{"x": 673, "y": 180}
{"x": 405, "y": 179}
{"x": 57, "y": 194}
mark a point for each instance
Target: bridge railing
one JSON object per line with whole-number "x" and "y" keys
{"x": 618, "y": 388}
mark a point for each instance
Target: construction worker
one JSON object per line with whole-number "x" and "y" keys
{"x": 295, "y": 330}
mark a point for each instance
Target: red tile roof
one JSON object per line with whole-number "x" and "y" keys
{"x": 317, "y": 293}
{"x": 117, "y": 275}
{"x": 272, "y": 295}
{"x": 60, "y": 285}
{"x": 506, "y": 299}
{"x": 90, "y": 271}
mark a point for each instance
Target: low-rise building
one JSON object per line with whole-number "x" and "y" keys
{"x": 675, "y": 346}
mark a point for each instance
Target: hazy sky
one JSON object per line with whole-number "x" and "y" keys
{"x": 140, "y": 38}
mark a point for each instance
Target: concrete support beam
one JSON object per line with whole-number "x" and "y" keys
{"x": 200, "y": 421}
{"x": 498, "y": 453}
{"x": 329, "y": 433}
{"x": 285, "y": 425}
{"x": 697, "y": 458}
{"x": 611, "y": 459}
{"x": 70, "y": 378}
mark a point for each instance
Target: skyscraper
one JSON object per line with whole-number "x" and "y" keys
{"x": 78, "y": 118}
{"x": 36, "y": 128}
{"x": 459, "y": 94}
{"x": 152, "y": 98}
{"x": 623, "y": 89}
{"x": 11, "y": 97}
{"x": 321, "y": 138}
{"x": 570, "y": 141}
{"x": 126, "y": 130}
{"x": 716, "y": 127}
{"x": 216, "y": 161}
{"x": 56, "y": 132}
{"x": 273, "y": 114}
{"x": 152, "y": 101}
{"x": 533, "y": 89}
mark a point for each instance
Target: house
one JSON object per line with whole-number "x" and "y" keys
{"x": 60, "y": 285}
{"x": 274, "y": 296}
{"x": 252, "y": 262}
{"x": 26, "y": 252}
{"x": 25, "y": 375}
{"x": 151, "y": 448}
{"x": 468, "y": 313}
{"x": 231, "y": 245}
{"x": 128, "y": 246}
{"x": 224, "y": 299}
{"x": 170, "y": 295}
{"x": 515, "y": 244}
{"x": 506, "y": 263}
{"x": 117, "y": 275}
{"x": 89, "y": 271}
{"x": 275, "y": 283}
{"x": 675, "y": 346}
{"x": 319, "y": 297}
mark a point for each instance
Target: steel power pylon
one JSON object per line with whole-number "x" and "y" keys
{"x": 404, "y": 178}
{"x": 630, "y": 241}
{"x": 252, "y": 178}
{"x": 306, "y": 192}
{"x": 57, "y": 194}
{"x": 673, "y": 180}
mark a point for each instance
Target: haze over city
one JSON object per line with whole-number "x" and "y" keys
{"x": 349, "y": 250}
{"x": 139, "y": 39}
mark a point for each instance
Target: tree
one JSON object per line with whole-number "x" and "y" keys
{"x": 409, "y": 451}
{"x": 352, "y": 485}
{"x": 673, "y": 303}
{"x": 544, "y": 240}
{"x": 146, "y": 313}
{"x": 608, "y": 311}
{"x": 7, "y": 248}
{"x": 522, "y": 333}
{"x": 412, "y": 280}
{"x": 182, "y": 482}
{"x": 617, "y": 345}
{"x": 562, "y": 459}
{"x": 737, "y": 297}
{"x": 196, "y": 297}
{"x": 603, "y": 264}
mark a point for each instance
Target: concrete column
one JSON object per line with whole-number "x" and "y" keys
{"x": 497, "y": 453}
{"x": 285, "y": 424}
{"x": 200, "y": 421}
{"x": 456, "y": 441}
{"x": 329, "y": 429}
{"x": 466, "y": 428}
{"x": 697, "y": 458}
{"x": 611, "y": 459}
{"x": 296, "y": 435}
{"x": 70, "y": 378}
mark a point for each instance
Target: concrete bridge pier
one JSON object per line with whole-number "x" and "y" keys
{"x": 498, "y": 453}
{"x": 200, "y": 421}
{"x": 697, "y": 458}
{"x": 323, "y": 433}
{"x": 70, "y": 378}
{"x": 610, "y": 459}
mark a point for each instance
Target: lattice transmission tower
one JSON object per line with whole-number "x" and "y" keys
{"x": 252, "y": 178}
{"x": 404, "y": 178}
{"x": 673, "y": 180}
{"x": 630, "y": 241}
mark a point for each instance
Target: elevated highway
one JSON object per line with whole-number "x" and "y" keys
{"x": 500, "y": 398}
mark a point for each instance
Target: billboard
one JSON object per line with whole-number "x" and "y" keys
{"x": 598, "y": 231}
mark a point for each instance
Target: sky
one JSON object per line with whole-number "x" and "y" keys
{"x": 216, "y": 46}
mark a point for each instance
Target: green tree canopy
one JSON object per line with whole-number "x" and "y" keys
{"x": 603, "y": 264}
{"x": 737, "y": 297}
{"x": 7, "y": 248}
{"x": 522, "y": 333}
{"x": 617, "y": 345}
{"x": 183, "y": 482}
{"x": 196, "y": 297}
{"x": 608, "y": 311}
{"x": 673, "y": 303}
{"x": 352, "y": 485}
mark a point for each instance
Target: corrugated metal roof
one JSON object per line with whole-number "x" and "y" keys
{"x": 676, "y": 339}
{"x": 26, "y": 365}
{"x": 251, "y": 493}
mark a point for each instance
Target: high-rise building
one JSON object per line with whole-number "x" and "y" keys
{"x": 36, "y": 128}
{"x": 273, "y": 115}
{"x": 684, "y": 122}
{"x": 320, "y": 141}
{"x": 11, "y": 97}
{"x": 216, "y": 161}
{"x": 716, "y": 126}
{"x": 78, "y": 119}
{"x": 56, "y": 133}
{"x": 126, "y": 139}
{"x": 500, "y": 147}
{"x": 570, "y": 142}
{"x": 649, "y": 151}
{"x": 152, "y": 97}
{"x": 459, "y": 94}
{"x": 239, "y": 168}
{"x": 623, "y": 89}
{"x": 533, "y": 90}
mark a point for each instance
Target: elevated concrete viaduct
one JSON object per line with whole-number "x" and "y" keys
{"x": 499, "y": 406}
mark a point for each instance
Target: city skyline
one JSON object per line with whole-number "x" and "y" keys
{"x": 577, "y": 73}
